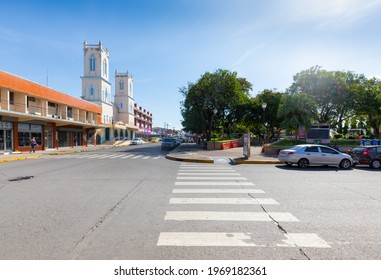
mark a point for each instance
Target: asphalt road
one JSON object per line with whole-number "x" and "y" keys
{"x": 132, "y": 203}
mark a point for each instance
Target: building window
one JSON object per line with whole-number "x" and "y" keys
{"x": 11, "y": 98}
{"x": 92, "y": 63}
{"x": 27, "y": 132}
{"x": 69, "y": 112}
{"x": 131, "y": 88}
{"x": 121, "y": 85}
{"x": 91, "y": 90}
{"x": 51, "y": 104}
{"x": 105, "y": 68}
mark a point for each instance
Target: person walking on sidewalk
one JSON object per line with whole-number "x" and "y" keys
{"x": 33, "y": 143}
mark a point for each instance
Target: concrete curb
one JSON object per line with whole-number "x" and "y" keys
{"x": 245, "y": 161}
{"x": 189, "y": 159}
{"x": 18, "y": 158}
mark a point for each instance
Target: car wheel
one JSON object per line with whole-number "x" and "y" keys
{"x": 303, "y": 163}
{"x": 375, "y": 164}
{"x": 345, "y": 164}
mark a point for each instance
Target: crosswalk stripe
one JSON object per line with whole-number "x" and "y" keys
{"x": 217, "y": 191}
{"x": 205, "y": 239}
{"x": 117, "y": 156}
{"x": 203, "y": 168}
{"x": 191, "y": 165}
{"x": 105, "y": 156}
{"x": 207, "y": 173}
{"x": 135, "y": 157}
{"x": 157, "y": 157}
{"x": 214, "y": 200}
{"x": 146, "y": 157}
{"x": 127, "y": 156}
{"x": 214, "y": 184}
{"x": 306, "y": 240}
{"x": 212, "y": 178}
{"x": 236, "y": 239}
{"x": 229, "y": 216}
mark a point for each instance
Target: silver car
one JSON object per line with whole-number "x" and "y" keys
{"x": 309, "y": 154}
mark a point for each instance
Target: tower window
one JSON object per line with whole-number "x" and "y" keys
{"x": 105, "y": 68}
{"x": 91, "y": 90}
{"x": 92, "y": 63}
{"x": 121, "y": 85}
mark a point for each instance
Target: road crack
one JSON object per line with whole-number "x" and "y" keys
{"x": 280, "y": 227}
{"x": 78, "y": 245}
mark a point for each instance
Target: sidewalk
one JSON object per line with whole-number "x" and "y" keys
{"x": 51, "y": 152}
{"x": 194, "y": 153}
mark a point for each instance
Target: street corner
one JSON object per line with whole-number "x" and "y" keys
{"x": 188, "y": 158}
{"x": 244, "y": 160}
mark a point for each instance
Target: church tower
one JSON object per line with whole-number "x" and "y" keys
{"x": 124, "y": 98}
{"x": 96, "y": 86}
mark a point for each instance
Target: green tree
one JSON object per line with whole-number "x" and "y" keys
{"x": 331, "y": 90}
{"x": 368, "y": 102}
{"x": 212, "y": 101}
{"x": 296, "y": 110}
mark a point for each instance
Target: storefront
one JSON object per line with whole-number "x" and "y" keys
{"x": 6, "y": 136}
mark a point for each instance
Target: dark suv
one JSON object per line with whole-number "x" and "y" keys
{"x": 370, "y": 155}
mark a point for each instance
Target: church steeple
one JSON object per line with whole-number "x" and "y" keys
{"x": 96, "y": 86}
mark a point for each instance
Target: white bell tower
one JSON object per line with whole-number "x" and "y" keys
{"x": 96, "y": 86}
{"x": 124, "y": 98}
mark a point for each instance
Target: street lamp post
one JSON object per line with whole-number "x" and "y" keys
{"x": 211, "y": 127}
{"x": 264, "y": 105}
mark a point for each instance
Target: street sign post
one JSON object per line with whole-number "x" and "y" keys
{"x": 246, "y": 145}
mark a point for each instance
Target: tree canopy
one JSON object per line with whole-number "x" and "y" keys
{"x": 213, "y": 101}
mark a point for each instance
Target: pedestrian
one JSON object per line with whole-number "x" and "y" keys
{"x": 33, "y": 143}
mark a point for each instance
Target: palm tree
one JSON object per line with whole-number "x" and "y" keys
{"x": 296, "y": 110}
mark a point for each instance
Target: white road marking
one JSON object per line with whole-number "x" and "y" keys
{"x": 117, "y": 156}
{"x": 135, "y": 157}
{"x": 310, "y": 240}
{"x": 106, "y": 156}
{"x": 213, "y": 200}
{"x": 127, "y": 156}
{"x": 146, "y": 157}
{"x": 211, "y": 178}
{"x": 214, "y": 184}
{"x": 157, "y": 157}
{"x": 209, "y": 174}
{"x": 229, "y": 216}
{"x": 203, "y": 169}
{"x": 205, "y": 239}
{"x": 217, "y": 191}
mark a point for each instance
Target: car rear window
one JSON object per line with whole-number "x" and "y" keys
{"x": 358, "y": 149}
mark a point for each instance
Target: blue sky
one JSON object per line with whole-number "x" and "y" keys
{"x": 167, "y": 43}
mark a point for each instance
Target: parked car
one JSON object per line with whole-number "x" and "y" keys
{"x": 168, "y": 143}
{"x": 369, "y": 155}
{"x": 137, "y": 141}
{"x": 311, "y": 154}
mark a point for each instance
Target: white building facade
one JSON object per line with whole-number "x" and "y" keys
{"x": 96, "y": 86}
{"x": 124, "y": 98}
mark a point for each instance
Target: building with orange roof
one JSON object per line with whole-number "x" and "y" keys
{"x": 55, "y": 119}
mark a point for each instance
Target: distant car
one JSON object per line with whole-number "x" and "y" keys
{"x": 311, "y": 154}
{"x": 168, "y": 143}
{"x": 369, "y": 155}
{"x": 137, "y": 141}
{"x": 155, "y": 140}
